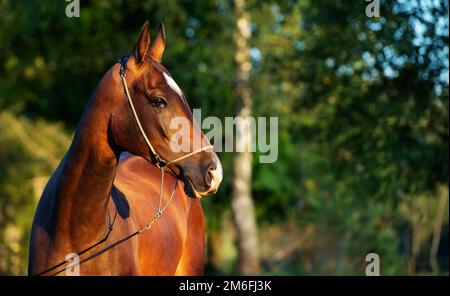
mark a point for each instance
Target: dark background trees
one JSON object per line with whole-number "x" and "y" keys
{"x": 363, "y": 120}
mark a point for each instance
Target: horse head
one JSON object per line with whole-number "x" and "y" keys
{"x": 157, "y": 100}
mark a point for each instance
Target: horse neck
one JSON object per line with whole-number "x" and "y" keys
{"x": 88, "y": 171}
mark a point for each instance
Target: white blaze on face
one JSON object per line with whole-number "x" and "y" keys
{"x": 173, "y": 85}
{"x": 216, "y": 177}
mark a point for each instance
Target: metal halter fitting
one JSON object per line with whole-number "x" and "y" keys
{"x": 160, "y": 162}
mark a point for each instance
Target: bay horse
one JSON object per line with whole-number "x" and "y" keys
{"x": 115, "y": 200}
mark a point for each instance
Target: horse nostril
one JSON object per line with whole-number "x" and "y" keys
{"x": 209, "y": 176}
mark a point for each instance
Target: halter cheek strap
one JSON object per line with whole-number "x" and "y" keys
{"x": 160, "y": 162}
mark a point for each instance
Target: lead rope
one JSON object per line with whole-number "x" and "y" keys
{"x": 160, "y": 210}
{"x": 156, "y": 217}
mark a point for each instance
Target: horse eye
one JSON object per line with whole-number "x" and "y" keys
{"x": 158, "y": 102}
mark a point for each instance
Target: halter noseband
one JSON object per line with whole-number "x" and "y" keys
{"x": 160, "y": 162}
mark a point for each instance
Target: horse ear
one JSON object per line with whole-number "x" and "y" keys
{"x": 157, "y": 50}
{"x": 143, "y": 43}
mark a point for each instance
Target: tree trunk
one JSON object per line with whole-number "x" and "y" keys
{"x": 442, "y": 207}
{"x": 242, "y": 203}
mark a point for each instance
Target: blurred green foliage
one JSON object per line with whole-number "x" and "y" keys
{"x": 362, "y": 106}
{"x": 29, "y": 152}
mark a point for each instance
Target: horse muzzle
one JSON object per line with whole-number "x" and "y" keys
{"x": 208, "y": 186}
